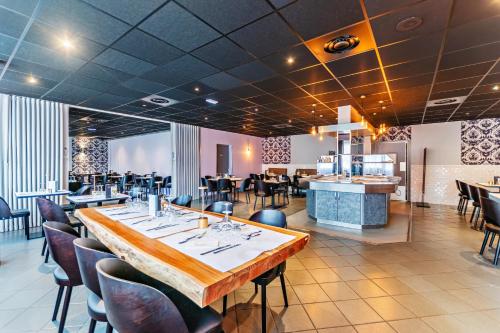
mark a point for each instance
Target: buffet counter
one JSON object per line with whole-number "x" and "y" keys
{"x": 359, "y": 203}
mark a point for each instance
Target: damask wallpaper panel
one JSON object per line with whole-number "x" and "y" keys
{"x": 89, "y": 155}
{"x": 276, "y": 150}
{"x": 396, "y": 133}
{"x": 480, "y": 142}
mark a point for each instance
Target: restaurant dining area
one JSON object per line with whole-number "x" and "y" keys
{"x": 248, "y": 166}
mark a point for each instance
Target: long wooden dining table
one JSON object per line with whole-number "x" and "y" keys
{"x": 201, "y": 283}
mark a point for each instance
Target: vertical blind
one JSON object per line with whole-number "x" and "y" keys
{"x": 186, "y": 159}
{"x": 33, "y": 143}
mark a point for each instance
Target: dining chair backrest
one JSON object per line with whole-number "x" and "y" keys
{"x": 50, "y": 211}
{"x": 212, "y": 185}
{"x": 271, "y": 217}
{"x": 60, "y": 239}
{"x": 88, "y": 252}
{"x": 261, "y": 176}
{"x": 208, "y": 177}
{"x": 457, "y": 183}
{"x": 245, "y": 184}
{"x": 482, "y": 192}
{"x": 167, "y": 180}
{"x": 204, "y": 182}
{"x": 5, "y": 212}
{"x": 132, "y": 305}
{"x": 224, "y": 184}
{"x": 465, "y": 190}
{"x": 474, "y": 193}
{"x": 183, "y": 200}
{"x": 220, "y": 207}
{"x": 85, "y": 189}
{"x": 261, "y": 187}
{"x": 491, "y": 211}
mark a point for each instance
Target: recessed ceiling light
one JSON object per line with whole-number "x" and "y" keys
{"x": 31, "y": 79}
{"x": 341, "y": 43}
{"x": 321, "y": 116}
{"x": 289, "y": 121}
{"x": 374, "y": 113}
{"x": 467, "y": 113}
{"x": 409, "y": 23}
{"x": 66, "y": 43}
{"x": 91, "y": 129}
{"x": 495, "y": 87}
{"x": 256, "y": 109}
{"x": 143, "y": 105}
{"x": 383, "y": 107}
{"x": 244, "y": 126}
{"x": 312, "y": 111}
{"x": 290, "y": 60}
{"x": 362, "y": 96}
{"x": 380, "y": 102}
{"x": 314, "y": 105}
{"x": 211, "y": 101}
{"x": 206, "y": 118}
{"x": 196, "y": 89}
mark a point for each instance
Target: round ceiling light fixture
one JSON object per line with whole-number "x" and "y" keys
{"x": 409, "y": 23}
{"x": 341, "y": 43}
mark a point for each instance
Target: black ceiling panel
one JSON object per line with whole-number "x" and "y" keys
{"x": 323, "y": 87}
{"x": 103, "y": 73}
{"x": 50, "y": 58}
{"x": 245, "y": 91}
{"x": 362, "y": 79}
{"x": 197, "y": 88}
{"x": 413, "y": 49}
{"x": 71, "y": 93}
{"x": 377, "y": 7}
{"x": 89, "y": 82}
{"x": 474, "y": 55}
{"x": 222, "y": 81}
{"x": 130, "y": 11}
{"x": 120, "y": 61}
{"x": 312, "y": 18}
{"x": 357, "y": 63}
{"x": 473, "y": 34}
{"x": 413, "y": 68}
{"x": 228, "y": 15}
{"x": 466, "y": 11}
{"x": 178, "y": 27}
{"x": 223, "y": 53}
{"x": 12, "y": 24}
{"x": 463, "y": 72}
{"x": 310, "y": 75}
{"x": 290, "y": 93}
{"x": 144, "y": 85}
{"x": 301, "y": 56}
{"x": 274, "y": 84}
{"x": 267, "y": 35}
{"x": 253, "y": 71}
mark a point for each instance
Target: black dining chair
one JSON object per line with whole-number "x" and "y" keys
{"x": 224, "y": 189}
{"x": 7, "y": 214}
{"x": 60, "y": 237}
{"x": 466, "y": 196}
{"x": 273, "y": 218}
{"x": 183, "y": 200}
{"x": 262, "y": 190}
{"x": 220, "y": 207}
{"x": 70, "y": 207}
{"x": 476, "y": 205}
{"x": 485, "y": 194}
{"x": 491, "y": 214}
{"x": 245, "y": 188}
{"x": 460, "y": 195}
{"x": 167, "y": 185}
{"x": 50, "y": 211}
{"x": 137, "y": 303}
{"x": 88, "y": 253}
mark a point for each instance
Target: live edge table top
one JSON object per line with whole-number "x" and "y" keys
{"x": 198, "y": 281}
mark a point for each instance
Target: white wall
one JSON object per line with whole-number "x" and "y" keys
{"x": 443, "y": 142}
{"x": 305, "y": 151}
{"x": 142, "y": 154}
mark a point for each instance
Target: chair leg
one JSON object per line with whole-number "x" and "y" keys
{"x": 485, "y": 241}
{"x": 497, "y": 253}
{"x": 44, "y": 247}
{"x": 27, "y": 226}
{"x": 86, "y": 232}
{"x": 492, "y": 239}
{"x": 92, "y": 325}
{"x": 109, "y": 328}
{"x": 472, "y": 215}
{"x": 46, "y": 256}
{"x": 283, "y": 288}
{"x": 264, "y": 307}
{"x": 64, "y": 314}
{"x": 465, "y": 207}
{"x": 58, "y": 302}
{"x": 256, "y": 288}
{"x": 255, "y": 203}
{"x": 224, "y": 305}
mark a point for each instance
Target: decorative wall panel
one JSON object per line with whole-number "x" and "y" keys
{"x": 480, "y": 142}
{"x": 396, "y": 133}
{"x": 276, "y": 150}
{"x": 89, "y": 155}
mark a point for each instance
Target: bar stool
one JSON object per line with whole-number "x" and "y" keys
{"x": 491, "y": 214}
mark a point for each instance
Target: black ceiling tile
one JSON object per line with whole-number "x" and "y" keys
{"x": 180, "y": 71}
{"x": 47, "y": 57}
{"x": 474, "y": 55}
{"x": 253, "y": 71}
{"x": 89, "y": 83}
{"x": 12, "y": 24}
{"x": 484, "y": 88}
{"x": 7, "y": 44}
{"x": 280, "y": 61}
{"x": 472, "y": 34}
{"x": 103, "y": 73}
{"x": 310, "y": 75}
{"x": 312, "y": 18}
{"x": 197, "y": 88}
{"x": 417, "y": 48}
{"x": 82, "y": 19}
{"x": 449, "y": 94}
{"x": 322, "y": 87}
{"x": 274, "y": 84}
{"x": 263, "y": 99}
{"x": 456, "y": 84}
{"x": 105, "y": 101}
{"x": 147, "y": 48}
{"x": 37, "y": 70}
{"x": 281, "y": 3}
{"x": 177, "y": 94}
{"x": 120, "y": 90}
{"x": 493, "y": 78}
{"x": 223, "y": 53}
{"x": 131, "y": 11}
{"x": 245, "y": 91}
{"x": 384, "y": 27}
{"x": 486, "y": 96}
{"x": 184, "y": 106}
{"x": 333, "y": 96}
{"x": 362, "y": 79}
{"x": 12, "y": 87}
{"x": 412, "y": 68}
{"x": 465, "y": 11}
{"x": 369, "y": 89}
{"x": 290, "y": 93}
{"x": 357, "y": 63}
{"x": 227, "y": 15}
{"x": 222, "y": 81}
{"x": 377, "y": 7}
{"x": 413, "y": 81}
{"x": 21, "y": 78}
{"x": 120, "y": 61}
{"x": 265, "y": 36}
{"x": 25, "y": 7}
{"x": 178, "y": 27}
{"x": 144, "y": 85}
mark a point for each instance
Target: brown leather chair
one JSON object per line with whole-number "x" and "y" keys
{"x": 7, "y": 214}
{"x": 88, "y": 253}
{"x": 274, "y": 218}
{"x": 50, "y": 211}
{"x": 150, "y": 305}
{"x": 60, "y": 237}
{"x": 491, "y": 213}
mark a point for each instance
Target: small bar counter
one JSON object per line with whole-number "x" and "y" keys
{"x": 360, "y": 203}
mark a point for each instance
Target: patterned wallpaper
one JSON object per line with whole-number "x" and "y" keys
{"x": 89, "y": 155}
{"x": 480, "y": 142}
{"x": 396, "y": 133}
{"x": 276, "y": 150}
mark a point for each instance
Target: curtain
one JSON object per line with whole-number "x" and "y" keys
{"x": 186, "y": 159}
{"x": 33, "y": 143}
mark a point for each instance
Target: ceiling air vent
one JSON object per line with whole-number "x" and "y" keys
{"x": 159, "y": 100}
{"x": 446, "y": 101}
{"x": 341, "y": 44}
{"x": 282, "y": 126}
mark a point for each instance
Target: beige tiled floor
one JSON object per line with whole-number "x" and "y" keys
{"x": 435, "y": 283}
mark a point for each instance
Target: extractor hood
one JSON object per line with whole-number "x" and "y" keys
{"x": 349, "y": 120}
